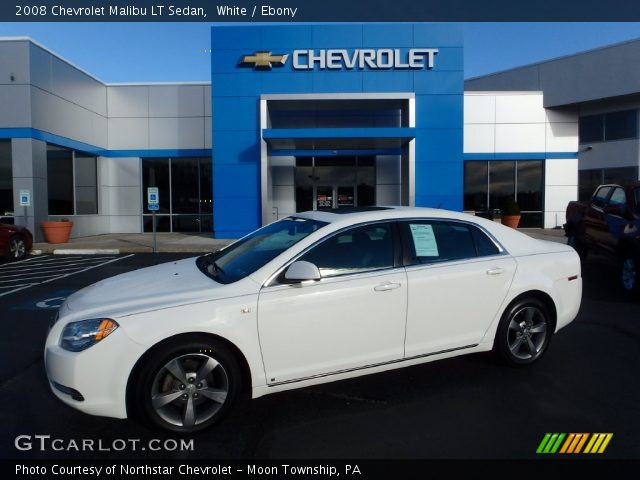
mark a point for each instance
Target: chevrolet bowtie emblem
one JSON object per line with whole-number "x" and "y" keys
{"x": 263, "y": 60}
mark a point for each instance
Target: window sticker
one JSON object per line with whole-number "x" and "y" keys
{"x": 424, "y": 240}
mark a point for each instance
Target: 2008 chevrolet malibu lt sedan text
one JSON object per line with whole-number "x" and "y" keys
{"x": 312, "y": 298}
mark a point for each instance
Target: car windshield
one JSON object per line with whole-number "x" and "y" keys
{"x": 252, "y": 252}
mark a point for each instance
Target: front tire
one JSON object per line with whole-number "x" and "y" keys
{"x": 17, "y": 248}
{"x": 524, "y": 332}
{"x": 187, "y": 387}
{"x": 629, "y": 267}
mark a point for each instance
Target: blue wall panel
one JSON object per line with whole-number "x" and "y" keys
{"x": 387, "y": 35}
{"x": 236, "y": 91}
{"x": 337, "y": 36}
{"x": 237, "y": 109}
{"x": 440, "y": 111}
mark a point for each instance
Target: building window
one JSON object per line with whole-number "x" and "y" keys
{"x": 185, "y": 186}
{"x": 489, "y": 184}
{"x": 608, "y": 126}
{"x": 621, "y": 125}
{"x": 589, "y": 180}
{"x": 6, "y": 181}
{"x": 86, "y": 184}
{"x": 72, "y": 182}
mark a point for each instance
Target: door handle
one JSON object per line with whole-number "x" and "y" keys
{"x": 383, "y": 287}
{"x": 495, "y": 271}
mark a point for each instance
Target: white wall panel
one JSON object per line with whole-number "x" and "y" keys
{"x": 388, "y": 195}
{"x": 282, "y": 171}
{"x": 40, "y": 62}
{"x": 176, "y": 132}
{"x": 207, "y": 132}
{"x": 121, "y": 172}
{"x": 125, "y": 200}
{"x": 84, "y": 225}
{"x": 562, "y": 137}
{"x": 15, "y": 106}
{"x": 519, "y": 108}
{"x": 558, "y": 196}
{"x": 71, "y": 84}
{"x": 207, "y": 100}
{"x": 176, "y": 100}
{"x": 79, "y": 124}
{"x": 284, "y": 200}
{"x": 479, "y": 138}
{"x": 621, "y": 153}
{"x": 479, "y": 108}
{"x": 388, "y": 169}
{"x": 128, "y": 101}
{"x": 520, "y": 138}
{"x": 125, "y": 224}
{"x": 561, "y": 172}
{"x": 561, "y": 116}
{"x": 128, "y": 133}
{"x": 14, "y": 59}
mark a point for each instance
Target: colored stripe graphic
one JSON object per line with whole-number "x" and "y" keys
{"x": 574, "y": 442}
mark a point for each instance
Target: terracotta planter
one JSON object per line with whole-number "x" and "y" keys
{"x": 511, "y": 220}
{"x": 56, "y": 232}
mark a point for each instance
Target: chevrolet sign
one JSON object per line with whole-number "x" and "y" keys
{"x": 361, "y": 58}
{"x": 337, "y": 59}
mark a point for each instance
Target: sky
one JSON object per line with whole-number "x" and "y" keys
{"x": 174, "y": 52}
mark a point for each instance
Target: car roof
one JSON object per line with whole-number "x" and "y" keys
{"x": 366, "y": 214}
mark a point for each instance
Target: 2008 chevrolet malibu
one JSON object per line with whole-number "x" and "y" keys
{"x": 312, "y": 298}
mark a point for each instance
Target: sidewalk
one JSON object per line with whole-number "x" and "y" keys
{"x": 135, "y": 243}
{"x": 180, "y": 242}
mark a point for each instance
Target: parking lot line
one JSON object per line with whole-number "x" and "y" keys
{"x": 89, "y": 264}
{"x": 52, "y": 261}
{"x": 41, "y": 268}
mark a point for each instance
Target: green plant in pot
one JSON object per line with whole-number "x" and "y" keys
{"x": 511, "y": 213}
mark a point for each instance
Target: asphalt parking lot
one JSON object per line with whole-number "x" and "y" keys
{"x": 467, "y": 407}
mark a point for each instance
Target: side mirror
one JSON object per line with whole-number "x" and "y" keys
{"x": 301, "y": 271}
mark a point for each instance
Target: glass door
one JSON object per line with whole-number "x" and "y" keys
{"x": 345, "y": 197}
{"x": 324, "y": 198}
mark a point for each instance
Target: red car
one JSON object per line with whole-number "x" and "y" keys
{"x": 15, "y": 241}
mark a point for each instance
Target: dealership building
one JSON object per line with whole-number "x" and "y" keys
{"x": 300, "y": 117}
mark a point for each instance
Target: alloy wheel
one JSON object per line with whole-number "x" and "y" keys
{"x": 527, "y": 332}
{"x": 189, "y": 390}
{"x": 17, "y": 248}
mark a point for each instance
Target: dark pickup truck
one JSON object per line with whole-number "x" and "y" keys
{"x": 609, "y": 224}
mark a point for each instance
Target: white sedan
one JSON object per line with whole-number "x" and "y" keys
{"x": 312, "y": 298}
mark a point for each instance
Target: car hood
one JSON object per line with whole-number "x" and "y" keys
{"x": 151, "y": 288}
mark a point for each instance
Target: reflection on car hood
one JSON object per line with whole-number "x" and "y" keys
{"x": 149, "y": 288}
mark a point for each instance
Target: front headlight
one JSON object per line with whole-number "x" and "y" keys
{"x": 78, "y": 336}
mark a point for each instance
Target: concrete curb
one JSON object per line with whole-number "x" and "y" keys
{"x": 87, "y": 251}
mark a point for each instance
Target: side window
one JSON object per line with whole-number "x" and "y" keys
{"x": 484, "y": 245}
{"x": 618, "y": 197}
{"x": 356, "y": 250}
{"x": 637, "y": 198}
{"x": 432, "y": 241}
{"x": 600, "y": 198}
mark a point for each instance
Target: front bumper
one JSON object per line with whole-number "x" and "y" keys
{"x": 93, "y": 381}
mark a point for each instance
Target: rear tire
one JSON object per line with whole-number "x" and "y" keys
{"x": 17, "y": 248}
{"x": 629, "y": 271}
{"x": 187, "y": 386}
{"x": 524, "y": 332}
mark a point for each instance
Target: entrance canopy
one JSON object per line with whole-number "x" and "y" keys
{"x": 326, "y": 141}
